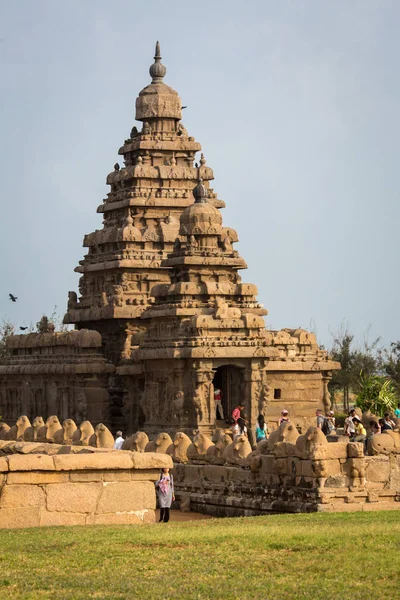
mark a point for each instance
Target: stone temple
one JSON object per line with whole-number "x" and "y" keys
{"x": 162, "y": 316}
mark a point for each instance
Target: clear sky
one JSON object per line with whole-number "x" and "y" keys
{"x": 296, "y": 105}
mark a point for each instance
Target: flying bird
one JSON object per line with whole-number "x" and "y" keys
{"x": 23, "y": 328}
{"x": 13, "y": 298}
{"x": 184, "y": 107}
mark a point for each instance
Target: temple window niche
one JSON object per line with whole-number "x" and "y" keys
{"x": 277, "y": 393}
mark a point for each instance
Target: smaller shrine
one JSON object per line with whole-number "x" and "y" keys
{"x": 206, "y": 330}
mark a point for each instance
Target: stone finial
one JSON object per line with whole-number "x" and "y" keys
{"x": 200, "y": 192}
{"x": 157, "y": 70}
{"x": 202, "y": 160}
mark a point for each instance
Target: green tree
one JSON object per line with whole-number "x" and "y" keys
{"x": 390, "y": 363}
{"x": 7, "y": 329}
{"x": 376, "y": 394}
{"x": 353, "y": 360}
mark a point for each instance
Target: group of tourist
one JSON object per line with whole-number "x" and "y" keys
{"x": 355, "y": 430}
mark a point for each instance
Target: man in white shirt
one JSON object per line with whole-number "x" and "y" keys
{"x": 119, "y": 440}
{"x": 349, "y": 428}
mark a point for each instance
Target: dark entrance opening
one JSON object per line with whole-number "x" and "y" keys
{"x": 229, "y": 380}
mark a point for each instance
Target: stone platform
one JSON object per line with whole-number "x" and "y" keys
{"x": 90, "y": 488}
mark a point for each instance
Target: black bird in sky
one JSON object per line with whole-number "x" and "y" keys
{"x": 23, "y": 328}
{"x": 13, "y": 298}
{"x": 184, "y": 107}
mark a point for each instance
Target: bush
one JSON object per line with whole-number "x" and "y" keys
{"x": 377, "y": 394}
{"x": 340, "y": 418}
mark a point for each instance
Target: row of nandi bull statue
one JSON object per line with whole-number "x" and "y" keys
{"x": 220, "y": 449}
{"x": 52, "y": 431}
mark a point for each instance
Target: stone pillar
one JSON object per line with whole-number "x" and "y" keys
{"x": 326, "y": 396}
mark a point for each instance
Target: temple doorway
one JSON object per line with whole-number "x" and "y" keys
{"x": 229, "y": 380}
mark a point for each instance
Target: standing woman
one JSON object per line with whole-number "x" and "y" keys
{"x": 165, "y": 494}
{"x": 261, "y": 429}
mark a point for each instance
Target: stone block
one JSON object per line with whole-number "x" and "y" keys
{"x": 13, "y": 496}
{"x": 336, "y": 481}
{"x": 126, "y": 497}
{"x": 76, "y": 476}
{"x": 3, "y": 464}
{"x": 127, "y": 518}
{"x": 55, "y": 518}
{"x": 374, "y": 485}
{"x": 381, "y": 505}
{"x": 73, "y": 497}
{"x": 36, "y": 478}
{"x": 330, "y": 451}
{"x": 268, "y": 464}
{"x": 30, "y": 462}
{"x": 140, "y": 475}
{"x": 86, "y": 462}
{"x": 377, "y": 469}
{"x": 151, "y": 460}
{"x": 12, "y": 518}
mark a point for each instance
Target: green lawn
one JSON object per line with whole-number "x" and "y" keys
{"x": 317, "y": 556}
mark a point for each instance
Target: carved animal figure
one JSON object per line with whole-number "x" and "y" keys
{"x": 136, "y": 442}
{"x": 17, "y": 431}
{"x": 224, "y": 311}
{"x": 381, "y": 443}
{"x": 82, "y": 435}
{"x": 305, "y": 444}
{"x": 53, "y": 425}
{"x": 104, "y": 437}
{"x": 286, "y": 432}
{"x": 4, "y": 431}
{"x": 178, "y": 449}
{"x": 160, "y": 444}
{"x": 395, "y": 435}
{"x": 69, "y": 428}
{"x": 237, "y": 452}
{"x": 31, "y": 433}
{"x": 214, "y": 454}
{"x": 198, "y": 448}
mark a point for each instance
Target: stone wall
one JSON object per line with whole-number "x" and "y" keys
{"x": 78, "y": 489}
{"x": 338, "y": 478}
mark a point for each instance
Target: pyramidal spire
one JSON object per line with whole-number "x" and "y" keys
{"x": 157, "y": 70}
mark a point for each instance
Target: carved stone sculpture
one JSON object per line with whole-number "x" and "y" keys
{"x": 23, "y": 423}
{"x": 215, "y": 454}
{"x": 31, "y": 433}
{"x": 69, "y": 428}
{"x": 179, "y": 447}
{"x": 160, "y": 444}
{"x": 137, "y": 442}
{"x": 82, "y": 436}
{"x": 103, "y": 436}
{"x": 306, "y": 443}
{"x": 238, "y": 451}
{"x": 198, "y": 448}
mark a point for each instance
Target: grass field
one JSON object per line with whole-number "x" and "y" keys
{"x": 316, "y": 556}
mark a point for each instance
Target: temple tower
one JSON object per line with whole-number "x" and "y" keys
{"x": 140, "y": 220}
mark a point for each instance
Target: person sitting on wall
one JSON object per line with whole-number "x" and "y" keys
{"x": 218, "y": 403}
{"x": 284, "y": 417}
{"x": 384, "y": 425}
{"x": 349, "y": 428}
{"x": 261, "y": 429}
{"x": 119, "y": 440}
{"x": 389, "y": 421}
{"x": 360, "y": 432}
{"x": 236, "y": 413}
